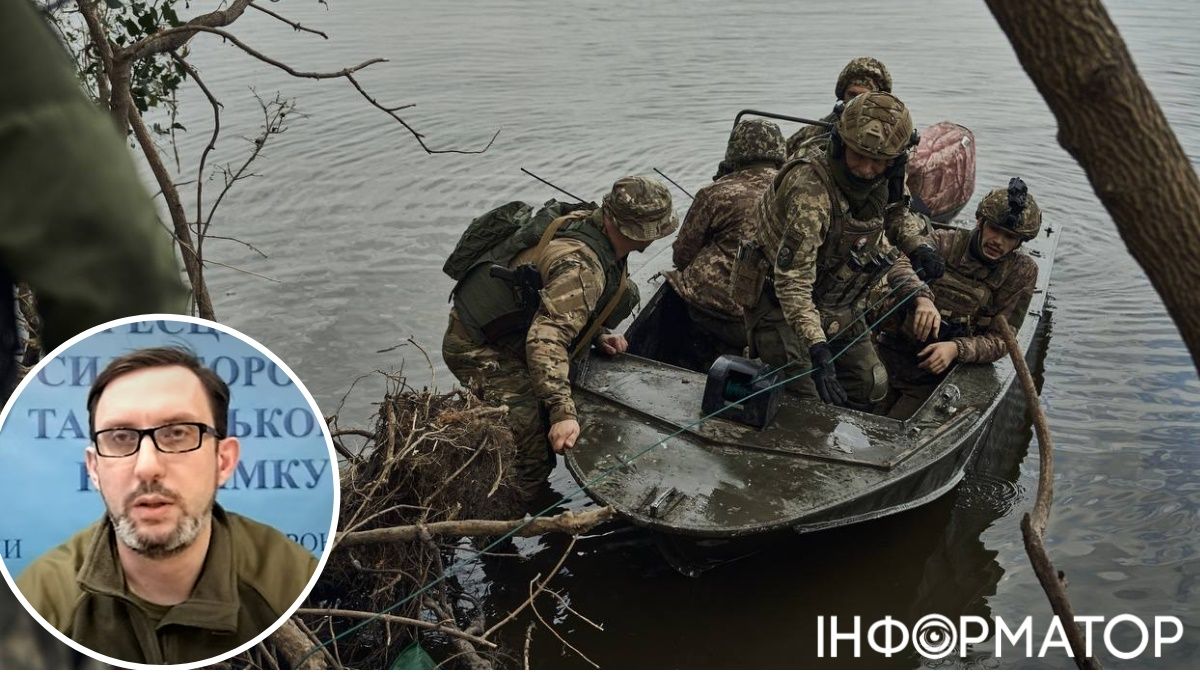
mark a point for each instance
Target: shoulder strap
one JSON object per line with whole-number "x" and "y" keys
{"x": 552, "y": 230}
{"x": 596, "y": 324}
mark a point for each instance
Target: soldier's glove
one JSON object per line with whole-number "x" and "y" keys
{"x": 824, "y": 375}
{"x": 896, "y": 174}
{"x": 927, "y": 263}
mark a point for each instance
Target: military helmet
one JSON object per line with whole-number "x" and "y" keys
{"x": 866, "y": 71}
{"x": 876, "y": 125}
{"x": 755, "y": 140}
{"x": 641, "y": 208}
{"x": 1012, "y": 209}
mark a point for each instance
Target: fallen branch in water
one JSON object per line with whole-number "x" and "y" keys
{"x": 568, "y": 523}
{"x": 1033, "y": 525}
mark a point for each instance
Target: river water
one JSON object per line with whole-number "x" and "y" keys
{"x": 357, "y": 221}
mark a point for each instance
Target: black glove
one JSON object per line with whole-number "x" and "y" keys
{"x": 824, "y": 376}
{"x": 927, "y": 263}
{"x": 896, "y": 173}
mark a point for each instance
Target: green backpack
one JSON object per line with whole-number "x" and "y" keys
{"x": 499, "y": 225}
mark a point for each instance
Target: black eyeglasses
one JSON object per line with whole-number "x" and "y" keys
{"x": 174, "y": 438}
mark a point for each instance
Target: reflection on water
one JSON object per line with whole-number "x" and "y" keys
{"x": 357, "y": 224}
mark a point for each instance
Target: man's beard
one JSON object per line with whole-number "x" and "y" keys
{"x": 186, "y": 529}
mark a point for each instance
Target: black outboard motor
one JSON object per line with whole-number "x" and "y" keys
{"x": 733, "y": 378}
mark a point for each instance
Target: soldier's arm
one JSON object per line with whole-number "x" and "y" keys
{"x": 805, "y": 207}
{"x": 1011, "y": 302}
{"x": 694, "y": 232}
{"x": 903, "y": 279}
{"x": 572, "y": 285}
{"x": 904, "y": 228}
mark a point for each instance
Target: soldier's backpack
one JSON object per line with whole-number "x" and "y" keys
{"x": 941, "y": 171}
{"x": 499, "y": 225}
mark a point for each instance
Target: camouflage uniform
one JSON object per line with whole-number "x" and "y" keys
{"x": 864, "y": 71}
{"x": 530, "y": 374}
{"x": 973, "y": 292}
{"x": 721, "y": 216}
{"x": 808, "y": 234}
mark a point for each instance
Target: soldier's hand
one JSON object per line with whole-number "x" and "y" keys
{"x": 938, "y": 357}
{"x": 927, "y": 263}
{"x": 613, "y": 344}
{"x": 824, "y": 376}
{"x": 926, "y": 319}
{"x": 563, "y": 435}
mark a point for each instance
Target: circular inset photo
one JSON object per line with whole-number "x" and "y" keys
{"x": 168, "y": 494}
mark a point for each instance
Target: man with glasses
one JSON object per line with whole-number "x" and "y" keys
{"x": 167, "y": 576}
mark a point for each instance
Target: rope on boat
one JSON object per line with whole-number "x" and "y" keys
{"x": 1033, "y": 525}
{"x": 621, "y": 463}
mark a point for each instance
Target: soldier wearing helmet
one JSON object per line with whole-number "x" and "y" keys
{"x": 721, "y": 216}
{"x": 819, "y": 245}
{"x": 861, "y": 75}
{"x": 986, "y": 276}
{"x": 521, "y": 355}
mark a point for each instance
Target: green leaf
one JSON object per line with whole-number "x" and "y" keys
{"x": 113, "y": 4}
{"x": 414, "y": 657}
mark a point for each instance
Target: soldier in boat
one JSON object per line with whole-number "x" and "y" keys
{"x": 721, "y": 216}
{"x": 986, "y": 276}
{"x": 820, "y": 242}
{"x": 861, "y": 75}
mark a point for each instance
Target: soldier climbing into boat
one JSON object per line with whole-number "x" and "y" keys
{"x": 819, "y": 243}
{"x": 861, "y": 75}
{"x": 721, "y": 216}
{"x": 986, "y": 276}
{"x": 520, "y": 351}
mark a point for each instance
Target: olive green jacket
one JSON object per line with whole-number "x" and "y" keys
{"x": 251, "y": 576}
{"x": 76, "y": 222}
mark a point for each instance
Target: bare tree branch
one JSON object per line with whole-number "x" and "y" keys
{"x": 404, "y": 620}
{"x": 1033, "y": 525}
{"x": 212, "y": 141}
{"x": 295, "y": 25}
{"x": 171, "y": 39}
{"x": 192, "y": 262}
{"x": 572, "y": 523}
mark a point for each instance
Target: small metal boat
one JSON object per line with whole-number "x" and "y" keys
{"x": 643, "y": 452}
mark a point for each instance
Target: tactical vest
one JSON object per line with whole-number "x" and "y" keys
{"x": 840, "y": 279}
{"x": 968, "y": 285}
{"x": 491, "y": 309}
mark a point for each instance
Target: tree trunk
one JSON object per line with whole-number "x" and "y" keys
{"x": 1110, "y": 123}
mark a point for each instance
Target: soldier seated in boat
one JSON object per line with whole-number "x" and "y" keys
{"x": 986, "y": 276}
{"x": 861, "y": 75}
{"x": 819, "y": 243}
{"x": 521, "y": 351}
{"x": 721, "y": 216}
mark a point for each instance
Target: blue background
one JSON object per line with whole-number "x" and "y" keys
{"x": 285, "y": 477}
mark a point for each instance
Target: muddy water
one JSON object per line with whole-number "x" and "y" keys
{"x": 356, "y": 222}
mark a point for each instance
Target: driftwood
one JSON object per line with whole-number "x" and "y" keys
{"x": 1033, "y": 525}
{"x": 567, "y": 523}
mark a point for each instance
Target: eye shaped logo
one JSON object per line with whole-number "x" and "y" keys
{"x": 934, "y": 637}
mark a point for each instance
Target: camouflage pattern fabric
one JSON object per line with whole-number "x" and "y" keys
{"x": 641, "y": 208}
{"x": 525, "y": 381}
{"x": 799, "y": 213}
{"x": 859, "y": 370}
{"x": 865, "y": 71}
{"x": 755, "y": 140}
{"x": 808, "y": 136}
{"x": 505, "y": 380}
{"x": 994, "y": 210}
{"x": 792, "y": 222}
{"x": 721, "y": 216}
{"x": 910, "y": 384}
